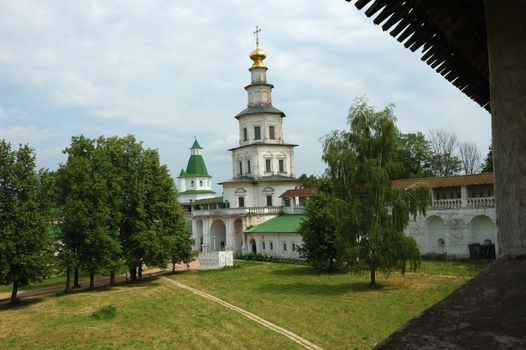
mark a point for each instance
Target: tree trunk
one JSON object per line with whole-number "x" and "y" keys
{"x": 173, "y": 267}
{"x": 68, "y": 279}
{"x": 331, "y": 264}
{"x": 133, "y": 274}
{"x": 112, "y": 278}
{"x": 91, "y": 280}
{"x": 373, "y": 275}
{"x": 76, "y": 278}
{"x": 14, "y": 292}
{"x": 140, "y": 271}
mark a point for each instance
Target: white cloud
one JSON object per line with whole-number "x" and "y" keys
{"x": 167, "y": 71}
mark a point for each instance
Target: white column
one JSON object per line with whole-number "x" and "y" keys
{"x": 229, "y": 223}
{"x": 206, "y": 235}
{"x": 464, "y": 196}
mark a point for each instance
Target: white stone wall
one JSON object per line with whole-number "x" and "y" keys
{"x": 277, "y": 240}
{"x": 257, "y": 155}
{"x": 263, "y": 120}
{"x": 460, "y": 228}
{"x": 255, "y": 195}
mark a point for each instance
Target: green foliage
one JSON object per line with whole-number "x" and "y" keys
{"x": 106, "y": 312}
{"x": 261, "y": 257}
{"x": 25, "y": 242}
{"x": 319, "y": 232}
{"x": 371, "y": 214}
{"x": 309, "y": 181}
{"x": 181, "y": 248}
{"x": 487, "y": 166}
{"x": 118, "y": 207}
{"x": 414, "y": 153}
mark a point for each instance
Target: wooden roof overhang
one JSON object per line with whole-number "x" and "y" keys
{"x": 451, "y": 34}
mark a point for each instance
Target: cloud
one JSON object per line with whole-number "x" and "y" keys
{"x": 167, "y": 71}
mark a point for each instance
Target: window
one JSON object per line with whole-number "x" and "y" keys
{"x": 271, "y": 246}
{"x": 245, "y": 134}
{"x": 241, "y": 202}
{"x": 257, "y": 133}
{"x": 248, "y": 167}
{"x": 192, "y": 183}
{"x": 268, "y": 164}
{"x": 281, "y": 166}
{"x": 263, "y": 245}
{"x": 287, "y": 202}
{"x": 293, "y": 247}
{"x": 269, "y": 201}
{"x": 284, "y": 246}
{"x": 201, "y": 183}
{"x": 240, "y": 168}
{"x": 271, "y": 133}
{"x": 222, "y": 245}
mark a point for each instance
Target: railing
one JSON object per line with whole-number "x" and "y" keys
{"x": 239, "y": 211}
{"x": 299, "y": 210}
{"x": 265, "y": 211}
{"x": 481, "y": 202}
{"x": 475, "y": 202}
{"x": 447, "y": 204}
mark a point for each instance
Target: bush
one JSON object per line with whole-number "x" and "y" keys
{"x": 107, "y": 312}
{"x": 261, "y": 257}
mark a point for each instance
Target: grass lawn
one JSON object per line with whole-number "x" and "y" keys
{"x": 53, "y": 281}
{"x": 335, "y": 311}
{"x": 148, "y": 315}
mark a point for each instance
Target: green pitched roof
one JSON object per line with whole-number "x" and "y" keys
{"x": 182, "y": 173}
{"x": 196, "y": 166}
{"x": 212, "y": 200}
{"x": 196, "y": 192}
{"x": 279, "y": 224}
{"x": 196, "y": 145}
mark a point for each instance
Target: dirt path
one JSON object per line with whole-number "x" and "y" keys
{"x": 84, "y": 283}
{"x": 292, "y": 336}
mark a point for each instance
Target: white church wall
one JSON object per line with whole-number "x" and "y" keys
{"x": 457, "y": 228}
{"x": 278, "y": 245}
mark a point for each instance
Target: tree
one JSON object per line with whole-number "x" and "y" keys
{"x": 443, "y": 145}
{"x": 414, "y": 153}
{"x": 487, "y": 166}
{"x": 181, "y": 248}
{"x": 86, "y": 215}
{"x": 371, "y": 214}
{"x": 470, "y": 157}
{"x": 309, "y": 181}
{"x": 318, "y": 231}
{"x": 25, "y": 245}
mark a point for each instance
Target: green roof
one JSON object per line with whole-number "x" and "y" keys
{"x": 279, "y": 224}
{"x": 182, "y": 173}
{"x": 212, "y": 200}
{"x": 196, "y": 145}
{"x": 196, "y": 192}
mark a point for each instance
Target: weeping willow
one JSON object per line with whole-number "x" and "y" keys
{"x": 371, "y": 214}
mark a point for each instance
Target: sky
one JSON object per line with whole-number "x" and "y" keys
{"x": 167, "y": 71}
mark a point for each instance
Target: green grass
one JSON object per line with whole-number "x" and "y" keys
{"x": 53, "y": 281}
{"x": 335, "y": 311}
{"x": 150, "y": 315}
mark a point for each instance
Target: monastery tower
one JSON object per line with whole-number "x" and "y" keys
{"x": 262, "y": 164}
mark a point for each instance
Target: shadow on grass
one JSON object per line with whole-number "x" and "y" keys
{"x": 307, "y": 271}
{"x": 325, "y": 289}
{"x": 20, "y": 304}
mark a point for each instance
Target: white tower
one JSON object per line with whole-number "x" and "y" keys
{"x": 194, "y": 183}
{"x": 262, "y": 164}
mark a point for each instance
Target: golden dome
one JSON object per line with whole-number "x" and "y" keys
{"x": 258, "y": 55}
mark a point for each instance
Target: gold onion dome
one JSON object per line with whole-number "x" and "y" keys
{"x": 258, "y": 55}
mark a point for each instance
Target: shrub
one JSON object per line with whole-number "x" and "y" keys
{"x": 107, "y": 312}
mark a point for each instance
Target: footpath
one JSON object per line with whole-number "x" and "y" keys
{"x": 28, "y": 294}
